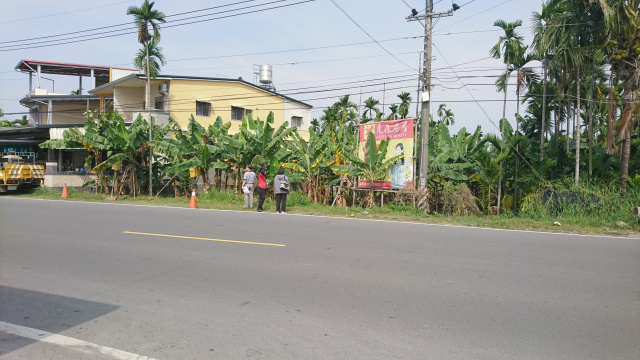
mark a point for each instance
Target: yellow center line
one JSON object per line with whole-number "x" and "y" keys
{"x": 199, "y": 238}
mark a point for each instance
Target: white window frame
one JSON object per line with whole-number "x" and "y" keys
{"x": 298, "y": 122}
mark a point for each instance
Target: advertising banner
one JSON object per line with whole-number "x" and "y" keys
{"x": 400, "y": 135}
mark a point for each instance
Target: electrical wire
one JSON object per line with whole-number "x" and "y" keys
{"x": 122, "y": 32}
{"x": 371, "y": 37}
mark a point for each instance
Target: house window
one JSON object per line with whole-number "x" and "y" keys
{"x": 203, "y": 108}
{"x": 237, "y": 113}
{"x": 296, "y": 122}
{"x": 159, "y": 103}
{"x": 247, "y": 112}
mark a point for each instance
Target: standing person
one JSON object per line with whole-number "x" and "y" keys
{"x": 262, "y": 187}
{"x": 281, "y": 189}
{"x": 249, "y": 181}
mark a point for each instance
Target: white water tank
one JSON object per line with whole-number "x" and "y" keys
{"x": 265, "y": 74}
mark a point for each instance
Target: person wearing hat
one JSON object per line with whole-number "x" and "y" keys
{"x": 249, "y": 181}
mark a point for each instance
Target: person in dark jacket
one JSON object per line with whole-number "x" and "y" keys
{"x": 262, "y": 187}
{"x": 281, "y": 191}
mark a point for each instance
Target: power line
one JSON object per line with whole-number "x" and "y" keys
{"x": 118, "y": 25}
{"x": 371, "y": 37}
{"x": 64, "y": 13}
{"x": 63, "y": 42}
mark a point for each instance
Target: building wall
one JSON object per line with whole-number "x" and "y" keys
{"x": 66, "y": 113}
{"x": 222, "y": 96}
{"x": 295, "y": 109}
{"x": 128, "y": 100}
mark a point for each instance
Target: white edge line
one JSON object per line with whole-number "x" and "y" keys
{"x": 344, "y": 218}
{"x": 68, "y": 342}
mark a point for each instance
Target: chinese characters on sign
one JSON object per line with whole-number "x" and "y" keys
{"x": 400, "y": 135}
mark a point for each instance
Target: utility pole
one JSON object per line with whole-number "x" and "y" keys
{"x": 426, "y": 89}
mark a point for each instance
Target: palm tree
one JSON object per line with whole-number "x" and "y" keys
{"x": 621, "y": 21}
{"x": 507, "y": 44}
{"x": 524, "y": 77}
{"x": 145, "y": 16}
{"x": 393, "y": 115}
{"x": 540, "y": 23}
{"x": 405, "y": 102}
{"x": 154, "y": 60}
{"x": 345, "y": 109}
{"x": 370, "y": 109}
{"x": 445, "y": 115}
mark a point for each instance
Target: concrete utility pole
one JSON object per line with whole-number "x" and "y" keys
{"x": 426, "y": 89}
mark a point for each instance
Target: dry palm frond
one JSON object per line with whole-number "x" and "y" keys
{"x": 629, "y": 113}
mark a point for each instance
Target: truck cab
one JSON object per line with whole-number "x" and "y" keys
{"x": 18, "y": 172}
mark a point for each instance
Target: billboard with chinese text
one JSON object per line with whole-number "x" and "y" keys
{"x": 400, "y": 135}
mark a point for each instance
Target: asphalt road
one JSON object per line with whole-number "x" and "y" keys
{"x": 97, "y": 281}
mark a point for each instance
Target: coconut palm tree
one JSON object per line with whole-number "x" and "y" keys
{"x": 144, "y": 17}
{"x": 622, "y": 23}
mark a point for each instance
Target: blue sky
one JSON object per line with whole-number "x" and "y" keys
{"x": 318, "y": 53}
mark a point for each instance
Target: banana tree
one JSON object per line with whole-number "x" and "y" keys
{"x": 125, "y": 145}
{"x": 192, "y": 149}
{"x": 263, "y": 143}
{"x": 309, "y": 159}
{"x": 452, "y": 155}
{"x": 372, "y": 168}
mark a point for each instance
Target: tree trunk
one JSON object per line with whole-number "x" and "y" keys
{"x": 577, "y": 131}
{"x": 150, "y": 124}
{"x": 591, "y": 126}
{"x": 206, "y": 184}
{"x": 544, "y": 105}
{"x": 515, "y": 179}
{"x": 556, "y": 123}
{"x": 624, "y": 162}
{"x": 568, "y": 105}
{"x": 627, "y": 123}
{"x": 504, "y": 114}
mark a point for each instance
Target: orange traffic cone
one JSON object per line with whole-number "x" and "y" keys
{"x": 65, "y": 191}
{"x": 193, "y": 204}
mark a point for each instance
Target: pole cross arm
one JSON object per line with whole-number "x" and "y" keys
{"x": 430, "y": 15}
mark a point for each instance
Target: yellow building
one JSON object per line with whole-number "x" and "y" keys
{"x": 205, "y": 99}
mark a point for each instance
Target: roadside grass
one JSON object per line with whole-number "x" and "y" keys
{"x": 599, "y": 220}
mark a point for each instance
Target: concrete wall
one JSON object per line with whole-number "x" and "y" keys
{"x": 73, "y": 181}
